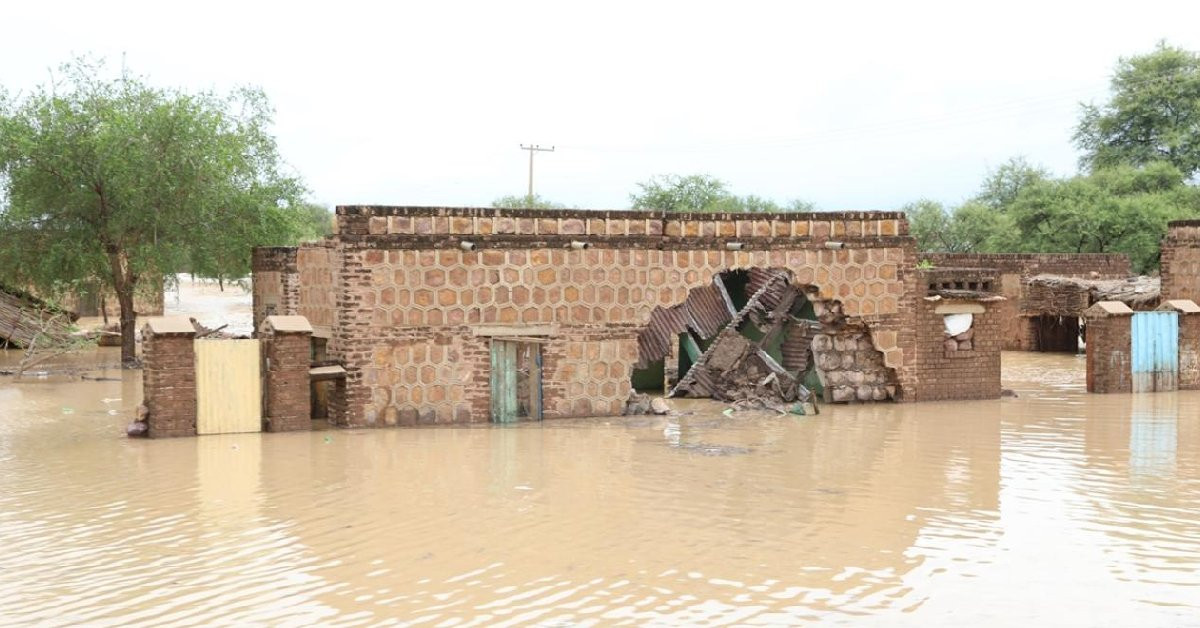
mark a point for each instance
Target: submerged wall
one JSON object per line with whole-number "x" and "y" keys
{"x": 413, "y": 312}
{"x": 967, "y": 365}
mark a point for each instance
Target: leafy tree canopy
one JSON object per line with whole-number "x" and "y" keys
{"x": 1122, "y": 209}
{"x": 525, "y": 201}
{"x": 970, "y": 227}
{"x": 1002, "y": 185}
{"x": 123, "y": 182}
{"x": 702, "y": 193}
{"x": 1152, "y": 115}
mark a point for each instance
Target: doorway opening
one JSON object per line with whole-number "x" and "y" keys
{"x": 1052, "y": 333}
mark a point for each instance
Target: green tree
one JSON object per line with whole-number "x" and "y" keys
{"x": 315, "y": 221}
{"x": 123, "y": 182}
{"x": 675, "y": 193}
{"x": 1002, "y": 185}
{"x": 1153, "y": 114}
{"x": 702, "y": 193}
{"x": 526, "y": 202}
{"x": 969, "y": 228}
{"x": 1117, "y": 210}
{"x": 929, "y": 223}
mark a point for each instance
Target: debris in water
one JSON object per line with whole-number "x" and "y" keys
{"x": 67, "y": 410}
{"x": 658, "y": 405}
{"x": 107, "y": 400}
{"x": 137, "y": 429}
{"x": 1008, "y": 392}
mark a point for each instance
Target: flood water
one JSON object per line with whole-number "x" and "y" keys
{"x": 1057, "y": 507}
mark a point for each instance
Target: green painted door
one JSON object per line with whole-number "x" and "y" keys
{"x": 516, "y": 381}
{"x": 504, "y": 381}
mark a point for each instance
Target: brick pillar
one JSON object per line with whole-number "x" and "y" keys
{"x": 287, "y": 345}
{"x": 1189, "y": 341}
{"x": 169, "y": 376}
{"x": 1109, "y": 351}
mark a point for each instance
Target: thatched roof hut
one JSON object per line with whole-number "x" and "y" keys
{"x": 1056, "y": 295}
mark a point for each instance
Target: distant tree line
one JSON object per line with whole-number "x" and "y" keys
{"x": 677, "y": 193}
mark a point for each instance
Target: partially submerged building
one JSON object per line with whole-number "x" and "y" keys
{"x": 1032, "y": 318}
{"x": 455, "y": 315}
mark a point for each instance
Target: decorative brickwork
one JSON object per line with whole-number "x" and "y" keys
{"x": 169, "y": 377}
{"x": 1015, "y": 269}
{"x": 1109, "y": 347}
{"x": 406, "y": 292}
{"x": 287, "y": 347}
{"x": 1181, "y": 261}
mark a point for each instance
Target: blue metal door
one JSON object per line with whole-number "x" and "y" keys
{"x": 1155, "y": 347}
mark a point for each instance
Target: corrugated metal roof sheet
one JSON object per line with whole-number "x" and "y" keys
{"x": 707, "y": 310}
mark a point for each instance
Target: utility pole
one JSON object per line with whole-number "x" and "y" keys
{"x": 533, "y": 148}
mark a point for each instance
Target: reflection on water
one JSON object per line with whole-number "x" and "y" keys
{"x": 1056, "y": 507}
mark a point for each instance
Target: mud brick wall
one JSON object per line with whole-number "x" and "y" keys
{"x": 1014, "y": 269}
{"x": 275, "y": 288}
{"x": 288, "y": 404}
{"x": 1189, "y": 351}
{"x": 410, "y": 299}
{"x": 169, "y": 383}
{"x": 960, "y": 374}
{"x": 1109, "y": 353}
{"x": 1181, "y": 261}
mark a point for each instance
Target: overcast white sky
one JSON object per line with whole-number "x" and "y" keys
{"x": 851, "y": 105}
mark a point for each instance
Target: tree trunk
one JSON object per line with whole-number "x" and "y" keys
{"x": 123, "y": 285}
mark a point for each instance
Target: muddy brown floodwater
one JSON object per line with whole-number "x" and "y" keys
{"x": 1057, "y": 507}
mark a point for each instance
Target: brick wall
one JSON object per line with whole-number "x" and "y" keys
{"x": 286, "y": 386}
{"x": 276, "y": 282}
{"x": 1106, "y": 265}
{"x": 319, "y": 267}
{"x": 1181, "y": 261}
{"x": 1109, "y": 349}
{"x": 169, "y": 383}
{"x": 1015, "y": 268}
{"x": 968, "y": 373}
{"x": 410, "y": 299}
{"x": 1189, "y": 341}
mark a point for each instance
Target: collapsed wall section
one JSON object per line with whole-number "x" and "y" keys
{"x": 422, "y": 293}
